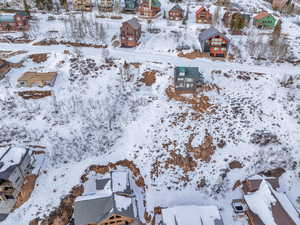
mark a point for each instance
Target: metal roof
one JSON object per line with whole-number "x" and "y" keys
{"x": 134, "y": 23}
{"x": 192, "y": 72}
{"x": 177, "y": 7}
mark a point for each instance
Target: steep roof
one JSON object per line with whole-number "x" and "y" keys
{"x": 209, "y": 33}
{"x": 261, "y": 15}
{"x": 134, "y": 23}
{"x": 110, "y": 196}
{"x": 202, "y": 9}
{"x": 270, "y": 207}
{"x": 176, "y": 7}
{"x": 10, "y": 158}
{"x": 192, "y": 215}
{"x": 155, "y": 3}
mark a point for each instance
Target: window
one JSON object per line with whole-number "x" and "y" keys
{"x": 181, "y": 74}
{"x": 9, "y": 197}
{"x": 216, "y": 49}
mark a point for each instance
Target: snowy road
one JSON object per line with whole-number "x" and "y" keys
{"x": 132, "y": 55}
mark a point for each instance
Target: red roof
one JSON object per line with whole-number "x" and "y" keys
{"x": 261, "y": 15}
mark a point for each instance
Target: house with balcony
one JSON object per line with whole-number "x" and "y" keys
{"x": 214, "y": 43}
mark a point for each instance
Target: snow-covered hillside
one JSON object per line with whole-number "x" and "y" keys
{"x": 248, "y": 112}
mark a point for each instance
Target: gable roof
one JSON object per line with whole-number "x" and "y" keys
{"x": 113, "y": 196}
{"x": 209, "y": 33}
{"x": 10, "y": 158}
{"x": 202, "y": 8}
{"x": 262, "y": 15}
{"x": 176, "y": 7}
{"x": 154, "y": 3}
{"x": 270, "y": 207}
{"x": 192, "y": 215}
{"x": 134, "y": 23}
{"x": 191, "y": 72}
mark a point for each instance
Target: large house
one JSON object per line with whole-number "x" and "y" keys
{"x": 131, "y": 5}
{"x": 264, "y": 20}
{"x": 82, "y": 5}
{"x": 203, "y": 16}
{"x": 4, "y": 68}
{"x": 14, "y": 22}
{"x": 266, "y": 205}
{"x": 130, "y": 33}
{"x": 176, "y": 13}
{"x": 191, "y": 215}
{"x": 15, "y": 164}
{"x": 149, "y": 8}
{"x": 30, "y": 79}
{"x": 106, "y": 5}
{"x": 187, "y": 79}
{"x": 106, "y": 201}
{"x": 214, "y": 42}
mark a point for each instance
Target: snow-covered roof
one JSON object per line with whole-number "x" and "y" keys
{"x": 119, "y": 181}
{"x": 9, "y": 158}
{"x": 272, "y": 207}
{"x": 192, "y": 215}
{"x": 134, "y": 23}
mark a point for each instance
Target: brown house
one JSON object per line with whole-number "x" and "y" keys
{"x": 30, "y": 79}
{"x": 203, "y": 16}
{"x": 130, "y": 33}
{"x": 82, "y": 5}
{"x": 176, "y": 13}
{"x": 4, "y": 68}
{"x": 149, "y": 8}
{"x": 265, "y": 203}
{"x": 17, "y": 22}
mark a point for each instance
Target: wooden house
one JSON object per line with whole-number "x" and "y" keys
{"x": 176, "y": 13}
{"x": 187, "y": 79}
{"x": 30, "y": 79}
{"x": 214, "y": 43}
{"x": 130, "y": 33}
{"x": 131, "y": 5}
{"x": 149, "y": 8}
{"x": 267, "y": 205}
{"x": 14, "y": 22}
{"x": 4, "y": 68}
{"x": 203, "y": 16}
{"x": 106, "y": 5}
{"x": 15, "y": 164}
{"x": 82, "y": 5}
{"x": 264, "y": 20}
{"x": 107, "y": 201}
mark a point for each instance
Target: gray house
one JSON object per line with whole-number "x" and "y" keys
{"x": 15, "y": 164}
{"x": 187, "y": 79}
{"x": 214, "y": 43}
{"x": 108, "y": 200}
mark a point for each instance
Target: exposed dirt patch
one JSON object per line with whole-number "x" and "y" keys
{"x": 203, "y": 151}
{"x": 236, "y": 185}
{"x": 8, "y": 54}
{"x": 39, "y": 58}
{"x": 26, "y": 190}
{"x": 187, "y": 163}
{"x": 199, "y": 103}
{"x": 277, "y": 172}
{"x": 34, "y": 94}
{"x": 149, "y": 77}
{"x": 235, "y": 165}
{"x": 193, "y": 55}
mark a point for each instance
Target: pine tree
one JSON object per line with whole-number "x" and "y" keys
{"x": 237, "y": 23}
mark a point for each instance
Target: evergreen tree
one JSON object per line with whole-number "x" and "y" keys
{"x": 237, "y": 23}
